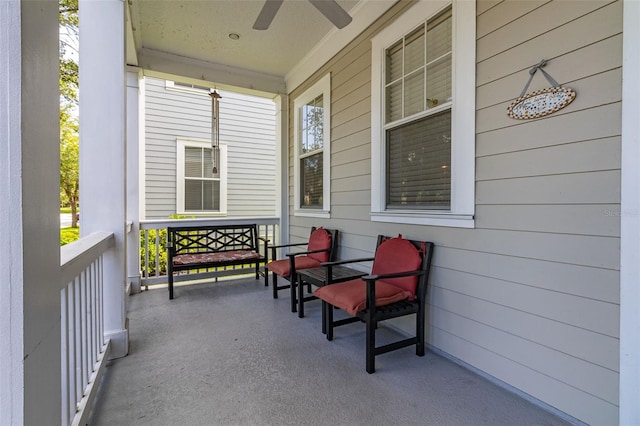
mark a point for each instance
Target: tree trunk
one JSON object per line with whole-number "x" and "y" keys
{"x": 74, "y": 214}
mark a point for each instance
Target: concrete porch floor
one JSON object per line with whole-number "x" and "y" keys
{"x": 228, "y": 354}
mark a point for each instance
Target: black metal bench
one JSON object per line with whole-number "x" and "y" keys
{"x": 199, "y": 247}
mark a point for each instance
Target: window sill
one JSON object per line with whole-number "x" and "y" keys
{"x": 325, "y": 214}
{"x": 425, "y": 218}
{"x": 204, "y": 214}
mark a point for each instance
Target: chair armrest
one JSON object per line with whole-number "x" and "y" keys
{"x": 299, "y": 253}
{"x": 273, "y": 248}
{"x": 343, "y": 262}
{"x": 370, "y": 281}
{"x": 394, "y": 275}
{"x": 288, "y": 245}
{"x": 266, "y": 247}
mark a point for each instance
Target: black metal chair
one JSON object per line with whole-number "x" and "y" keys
{"x": 396, "y": 287}
{"x": 321, "y": 247}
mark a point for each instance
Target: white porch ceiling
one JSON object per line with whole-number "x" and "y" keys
{"x": 191, "y": 38}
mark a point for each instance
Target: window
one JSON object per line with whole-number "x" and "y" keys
{"x": 198, "y": 189}
{"x": 312, "y": 150}
{"x": 423, "y": 116}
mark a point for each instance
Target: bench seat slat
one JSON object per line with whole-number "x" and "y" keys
{"x": 223, "y": 256}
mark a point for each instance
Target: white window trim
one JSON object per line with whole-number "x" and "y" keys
{"x": 462, "y": 116}
{"x": 181, "y": 144}
{"x": 322, "y": 87}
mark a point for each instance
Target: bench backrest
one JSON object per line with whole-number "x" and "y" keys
{"x": 208, "y": 239}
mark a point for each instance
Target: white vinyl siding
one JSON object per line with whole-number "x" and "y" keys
{"x": 247, "y": 127}
{"x": 531, "y": 295}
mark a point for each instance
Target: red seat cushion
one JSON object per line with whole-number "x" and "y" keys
{"x": 223, "y": 256}
{"x": 398, "y": 255}
{"x": 282, "y": 267}
{"x": 351, "y": 295}
{"x": 320, "y": 239}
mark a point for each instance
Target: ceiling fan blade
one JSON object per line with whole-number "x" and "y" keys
{"x": 333, "y": 12}
{"x": 267, "y": 14}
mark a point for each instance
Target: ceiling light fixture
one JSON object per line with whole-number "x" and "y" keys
{"x": 234, "y": 36}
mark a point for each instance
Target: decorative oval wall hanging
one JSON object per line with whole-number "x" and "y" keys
{"x": 541, "y": 102}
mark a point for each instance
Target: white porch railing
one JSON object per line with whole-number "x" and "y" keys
{"x": 153, "y": 245}
{"x": 83, "y": 349}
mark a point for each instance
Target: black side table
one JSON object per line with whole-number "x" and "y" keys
{"x": 318, "y": 277}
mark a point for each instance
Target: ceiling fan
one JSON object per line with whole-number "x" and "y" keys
{"x": 329, "y": 8}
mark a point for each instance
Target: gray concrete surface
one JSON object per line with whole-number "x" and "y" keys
{"x": 229, "y": 354}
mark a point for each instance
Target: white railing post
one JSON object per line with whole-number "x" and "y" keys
{"x": 83, "y": 350}
{"x": 103, "y": 150}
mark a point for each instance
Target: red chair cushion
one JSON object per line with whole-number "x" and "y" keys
{"x": 282, "y": 267}
{"x": 351, "y": 296}
{"x": 398, "y": 255}
{"x": 320, "y": 239}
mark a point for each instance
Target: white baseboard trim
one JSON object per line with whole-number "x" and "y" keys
{"x": 506, "y": 386}
{"x": 119, "y": 341}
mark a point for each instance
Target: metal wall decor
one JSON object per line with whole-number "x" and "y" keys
{"x": 541, "y": 102}
{"x": 215, "y": 130}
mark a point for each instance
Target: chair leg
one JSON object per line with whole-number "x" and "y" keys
{"x": 301, "y": 297}
{"x": 324, "y": 317}
{"x": 275, "y": 285}
{"x": 420, "y": 332}
{"x": 171, "y": 286}
{"x": 371, "y": 345}
{"x": 329, "y": 318}
{"x": 292, "y": 292}
{"x": 266, "y": 277}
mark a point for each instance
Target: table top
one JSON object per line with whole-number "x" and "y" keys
{"x": 318, "y": 276}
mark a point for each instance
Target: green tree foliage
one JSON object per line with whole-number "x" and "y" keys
{"x": 69, "y": 86}
{"x": 68, "y": 18}
{"x": 69, "y": 152}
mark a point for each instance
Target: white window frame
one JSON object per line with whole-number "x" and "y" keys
{"x": 322, "y": 87}
{"x": 181, "y": 144}
{"x": 461, "y": 213}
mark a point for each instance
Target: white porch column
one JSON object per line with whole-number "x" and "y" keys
{"x": 132, "y": 184}
{"x": 30, "y": 383}
{"x": 103, "y": 150}
{"x": 630, "y": 220}
{"x": 282, "y": 165}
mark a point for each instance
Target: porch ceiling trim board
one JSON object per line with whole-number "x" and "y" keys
{"x": 166, "y": 66}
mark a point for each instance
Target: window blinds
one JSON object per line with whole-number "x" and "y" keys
{"x": 201, "y": 189}
{"x": 419, "y": 163}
